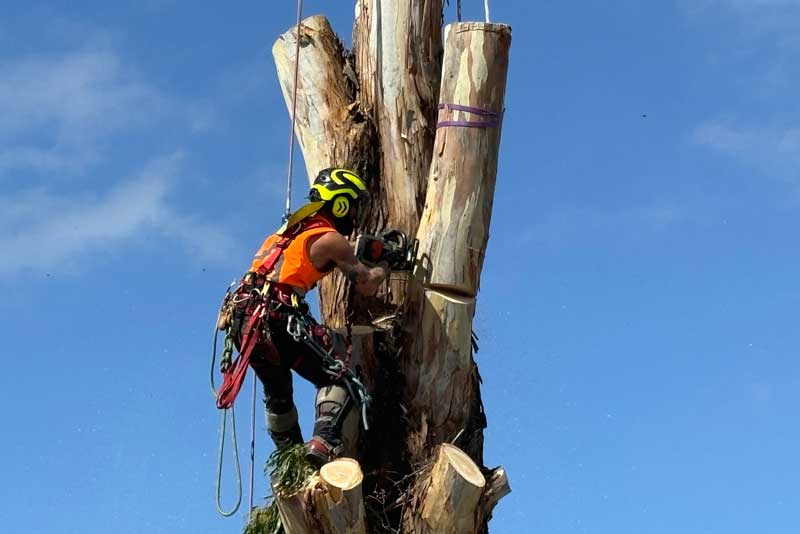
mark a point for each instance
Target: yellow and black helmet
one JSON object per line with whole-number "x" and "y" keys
{"x": 340, "y": 187}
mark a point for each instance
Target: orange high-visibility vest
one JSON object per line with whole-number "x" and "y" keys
{"x": 294, "y": 267}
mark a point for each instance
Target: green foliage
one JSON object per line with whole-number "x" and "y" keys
{"x": 265, "y": 520}
{"x": 288, "y": 469}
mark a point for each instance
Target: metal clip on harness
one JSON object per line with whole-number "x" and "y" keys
{"x": 295, "y": 327}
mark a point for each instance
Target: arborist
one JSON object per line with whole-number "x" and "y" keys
{"x": 267, "y": 318}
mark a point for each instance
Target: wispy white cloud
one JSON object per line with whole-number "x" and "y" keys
{"x": 762, "y": 24}
{"x": 59, "y": 111}
{"x": 762, "y": 45}
{"x": 42, "y": 231}
{"x": 774, "y": 150}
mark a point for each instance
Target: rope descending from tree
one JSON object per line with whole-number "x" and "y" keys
{"x": 235, "y": 445}
{"x": 252, "y": 445}
{"x": 294, "y": 113}
{"x": 485, "y": 10}
{"x": 226, "y": 357}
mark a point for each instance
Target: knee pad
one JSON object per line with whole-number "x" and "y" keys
{"x": 340, "y": 428}
{"x": 330, "y": 401}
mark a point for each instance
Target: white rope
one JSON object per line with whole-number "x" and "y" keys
{"x": 294, "y": 113}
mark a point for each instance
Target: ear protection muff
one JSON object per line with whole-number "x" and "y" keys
{"x": 341, "y": 206}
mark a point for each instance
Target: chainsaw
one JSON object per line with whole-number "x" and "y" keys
{"x": 391, "y": 247}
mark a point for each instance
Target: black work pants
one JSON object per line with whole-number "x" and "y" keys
{"x": 274, "y": 370}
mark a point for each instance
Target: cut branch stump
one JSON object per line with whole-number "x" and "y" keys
{"x": 330, "y": 503}
{"x": 451, "y": 505}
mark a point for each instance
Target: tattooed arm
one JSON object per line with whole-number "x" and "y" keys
{"x": 333, "y": 248}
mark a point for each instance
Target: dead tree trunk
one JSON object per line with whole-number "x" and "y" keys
{"x": 375, "y": 110}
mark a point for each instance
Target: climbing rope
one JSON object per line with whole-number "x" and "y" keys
{"x": 252, "y": 443}
{"x": 235, "y": 446}
{"x": 485, "y": 10}
{"x": 294, "y": 114}
{"x": 226, "y": 356}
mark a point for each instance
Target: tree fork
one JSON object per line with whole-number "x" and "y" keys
{"x": 375, "y": 110}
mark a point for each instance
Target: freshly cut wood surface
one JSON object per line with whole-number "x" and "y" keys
{"x": 343, "y": 474}
{"x": 331, "y": 503}
{"x": 339, "y": 502}
{"x": 456, "y": 486}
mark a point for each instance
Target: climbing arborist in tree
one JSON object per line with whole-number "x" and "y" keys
{"x": 268, "y": 320}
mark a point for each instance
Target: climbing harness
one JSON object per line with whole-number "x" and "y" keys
{"x": 259, "y": 300}
{"x": 256, "y": 300}
{"x": 300, "y": 328}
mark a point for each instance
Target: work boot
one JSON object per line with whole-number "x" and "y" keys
{"x": 318, "y": 452}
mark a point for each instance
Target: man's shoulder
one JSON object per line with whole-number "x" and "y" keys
{"x": 331, "y": 238}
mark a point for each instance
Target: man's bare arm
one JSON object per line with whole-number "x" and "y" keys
{"x": 333, "y": 247}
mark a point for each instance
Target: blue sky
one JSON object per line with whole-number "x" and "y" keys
{"x": 639, "y": 301}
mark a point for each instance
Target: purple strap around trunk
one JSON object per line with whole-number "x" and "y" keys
{"x": 471, "y": 124}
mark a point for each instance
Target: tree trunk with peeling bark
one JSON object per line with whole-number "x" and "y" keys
{"x": 375, "y": 110}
